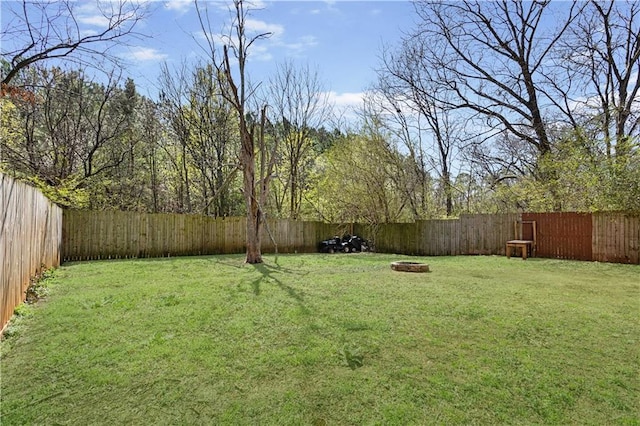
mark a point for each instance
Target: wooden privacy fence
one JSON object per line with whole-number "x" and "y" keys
{"x": 471, "y": 234}
{"x": 562, "y": 235}
{"x": 115, "y": 234}
{"x": 30, "y": 236}
{"x": 602, "y": 237}
{"x": 607, "y": 237}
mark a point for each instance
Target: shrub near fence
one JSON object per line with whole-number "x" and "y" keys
{"x": 30, "y": 236}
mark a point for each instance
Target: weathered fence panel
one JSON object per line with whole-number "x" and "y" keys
{"x": 400, "y": 238}
{"x": 616, "y": 237}
{"x": 115, "y": 234}
{"x": 562, "y": 235}
{"x": 30, "y": 236}
{"x": 486, "y": 234}
{"x": 438, "y": 237}
{"x": 294, "y": 236}
{"x": 471, "y": 234}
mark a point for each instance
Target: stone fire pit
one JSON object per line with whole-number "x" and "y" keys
{"x": 409, "y": 267}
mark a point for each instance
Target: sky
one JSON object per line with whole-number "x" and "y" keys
{"x": 342, "y": 40}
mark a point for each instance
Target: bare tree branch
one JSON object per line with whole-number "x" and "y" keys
{"x": 47, "y": 30}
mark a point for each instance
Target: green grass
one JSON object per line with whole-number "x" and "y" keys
{"x": 327, "y": 339}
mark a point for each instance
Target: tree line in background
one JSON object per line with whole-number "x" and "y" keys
{"x": 482, "y": 107}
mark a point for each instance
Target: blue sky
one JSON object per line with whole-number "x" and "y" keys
{"x": 341, "y": 39}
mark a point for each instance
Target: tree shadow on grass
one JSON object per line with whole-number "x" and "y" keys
{"x": 269, "y": 275}
{"x": 233, "y": 261}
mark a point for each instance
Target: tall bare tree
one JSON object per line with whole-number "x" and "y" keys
{"x": 174, "y": 98}
{"x": 234, "y": 86}
{"x": 602, "y": 55}
{"x": 35, "y": 31}
{"x": 299, "y": 105}
{"x": 492, "y": 57}
{"x": 421, "y": 109}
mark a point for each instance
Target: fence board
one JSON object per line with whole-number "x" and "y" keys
{"x": 30, "y": 235}
{"x": 486, "y": 234}
{"x": 398, "y": 238}
{"x": 563, "y": 235}
{"x": 438, "y": 237}
{"x": 616, "y": 237}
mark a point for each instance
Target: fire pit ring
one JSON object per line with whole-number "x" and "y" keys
{"x": 402, "y": 266}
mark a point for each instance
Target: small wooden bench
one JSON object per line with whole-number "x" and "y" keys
{"x": 524, "y": 246}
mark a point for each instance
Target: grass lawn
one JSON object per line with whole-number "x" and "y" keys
{"x": 327, "y": 339}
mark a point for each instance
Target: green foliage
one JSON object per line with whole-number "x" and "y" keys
{"x": 578, "y": 176}
{"x": 10, "y": 125}
{"x": 354, "y": 182}
{"x": 76, "y": 132}
{"x": 89, "y": 145}
{"x": 37, "y": 290}
{"x": 66, "y": 194}
{"x": 22, "y": 310}
{"x": 39, "y": 286}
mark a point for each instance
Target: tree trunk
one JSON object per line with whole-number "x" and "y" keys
{"x": 254, "y": 215}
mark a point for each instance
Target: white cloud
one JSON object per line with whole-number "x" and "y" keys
{"x": 302, "y": 43}
{"x": 142, "y": 54}
{"x": 98, "y": 14}
{"x": 180, "y": 6}
{"x": 260, "y": 53}
{"x": 90, "y": 14}
{"x": 217, "y": 38}
{"x": 329, "y": 7}
{"x": 259, "y": 27}
{"x": 346, "y": 99}
{"x": 88, "y": 33}
{"x": 264, "y": 48}
{"x": 95, "y": 20}
{"x": 309, "y": 40}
